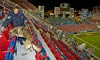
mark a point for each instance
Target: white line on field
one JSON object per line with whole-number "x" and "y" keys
{"x": 88, "y": 43}
{"x": 88, "y": 33}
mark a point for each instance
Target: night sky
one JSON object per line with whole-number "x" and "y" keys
{"x": 77, "y": 4}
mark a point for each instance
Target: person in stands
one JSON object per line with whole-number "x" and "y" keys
{"x": 17, "y": 18}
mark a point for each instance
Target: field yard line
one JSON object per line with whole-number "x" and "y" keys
{"x": 87, "y": 33}
{"x": 88, "y": 43}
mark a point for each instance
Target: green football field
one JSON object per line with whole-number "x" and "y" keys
{"x": 92, "y": 40}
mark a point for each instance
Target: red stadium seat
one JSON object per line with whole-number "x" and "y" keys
{"x": 4, "y": 43}
{"x": 10, "y": 26}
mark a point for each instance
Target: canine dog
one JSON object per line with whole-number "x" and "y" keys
{"x": 12, "y": 32}
{"x": 23, "y": 32}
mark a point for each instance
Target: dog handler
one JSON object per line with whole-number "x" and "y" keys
{"x": 17, "y": 18}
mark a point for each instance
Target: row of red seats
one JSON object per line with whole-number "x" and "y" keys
{"x": 69, "y": 50}
{"x": 65, "y": 53}
{"x": 52, "y": 48}
{"x": 36, "y": 26}
{"x": 64, "y": 50}
{"x": 75, "y": 56}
